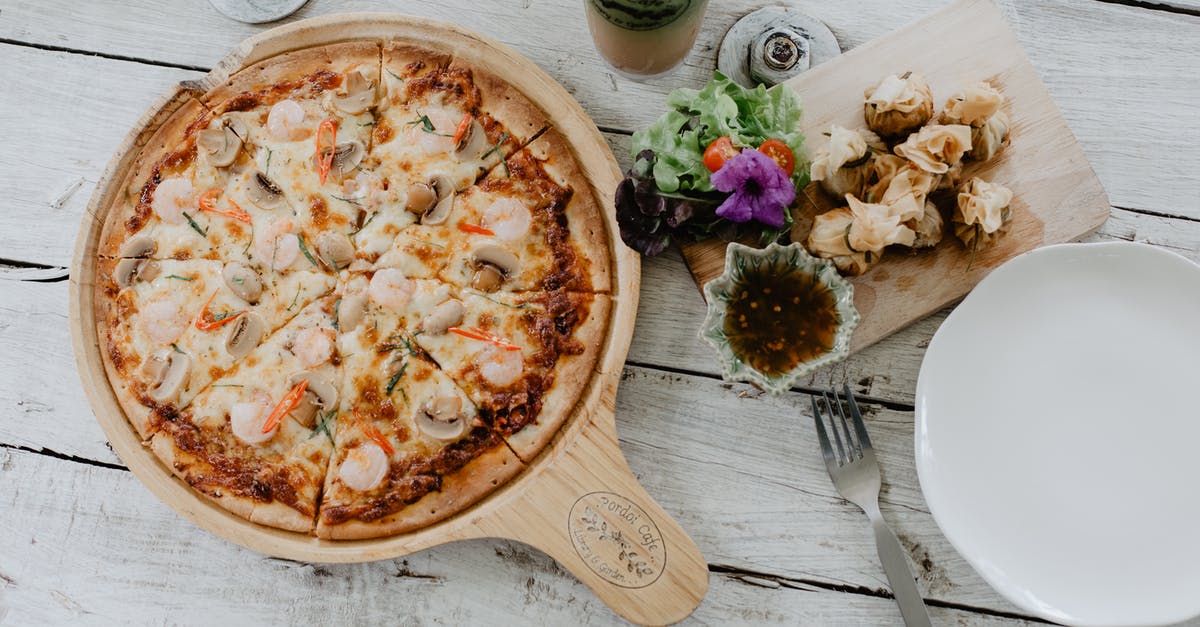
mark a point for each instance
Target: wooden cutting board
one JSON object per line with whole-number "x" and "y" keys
{"x": 578, "y": 501}
{"x": 1057, "y": 196}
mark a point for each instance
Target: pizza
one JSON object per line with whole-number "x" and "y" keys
{"x": 353, "y": 289}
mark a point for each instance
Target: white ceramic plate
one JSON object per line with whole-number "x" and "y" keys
{"x": 1058, "y": 433}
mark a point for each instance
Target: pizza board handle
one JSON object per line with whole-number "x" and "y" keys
{"x": 589, "y": 513}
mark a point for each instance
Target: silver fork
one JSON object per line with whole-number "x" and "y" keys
{"x": 851, "y": 462}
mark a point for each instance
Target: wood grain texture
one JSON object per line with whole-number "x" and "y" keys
{"x": 77, "y": 529}
{"x": 1115, "y": 71}
{"x": 1057, "y": 197}
{"x": 1123, "y": 76}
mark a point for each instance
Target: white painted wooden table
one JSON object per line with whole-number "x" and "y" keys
{"x": 81, "y": 541}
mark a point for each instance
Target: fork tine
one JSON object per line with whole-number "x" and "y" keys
{"x": 837, "y": 436}
{"x": 860, "y": 427}
{"x": 852, "y": 447}
{"x": 826, "y": 448}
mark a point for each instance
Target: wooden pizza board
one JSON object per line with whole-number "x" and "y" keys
{"x": 577, "y": 501}
{"x": 1057, "y": 196}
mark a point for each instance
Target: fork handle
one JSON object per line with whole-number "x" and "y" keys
{"x": 900, "y": 576}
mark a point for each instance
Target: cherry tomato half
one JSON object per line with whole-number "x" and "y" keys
{"x": 718, "y": 152}
{"x": 779, "y": 153}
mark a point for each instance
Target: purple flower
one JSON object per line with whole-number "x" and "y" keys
{"x": 761, "y": 189}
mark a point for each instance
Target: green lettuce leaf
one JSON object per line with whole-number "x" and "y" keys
{"x": 696, "y": 118}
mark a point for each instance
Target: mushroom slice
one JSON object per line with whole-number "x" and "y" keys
{"x": 359, "y": 94}
{"x": 335, "y": 250}
{"x": 443, "y": 188}
{"x": 131, "y": 269}
{"x": 320, "y": 396}
{"x": 221, "y": 144}
{"x": 346, "y": 157}
{"x": 493, "y": 265}
{"x": 242, "y": 281}
{"x": 263, "y": 192}
{"x": 420, "y": 198}
{"x": 168, "y": 373}
{"x": 444, "y": 316}
{"x": 351, "y": 311}
{"x": 140, "y": 246}
{"x": 473, "y": 144}
{"x": 245, "y": 334}
{"x": 442, "y": 418}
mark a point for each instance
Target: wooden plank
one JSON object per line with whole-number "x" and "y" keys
{"x": 1132, "y": 111}
{"x": 85, "y": 523}
{"x": 56, "y": 150}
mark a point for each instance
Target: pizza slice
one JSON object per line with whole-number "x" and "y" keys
{"x": 159, "y": 212}
{"x": 521, "y": 228}
{"x": 306, "y": 118}
{"x": 441, "y": 126}
{"x": 171, "y": 327}
{"x": 410, "y": 446}
{"x": 522, "y": 359}
{"x": 257, "y": 441}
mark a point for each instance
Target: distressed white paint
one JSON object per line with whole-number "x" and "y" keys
{"x": 740, "y": 471}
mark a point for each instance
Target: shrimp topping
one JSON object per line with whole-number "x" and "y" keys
{"x": 313, "y": 346}
{"x": 276, "y": 246}
{"x": 364, "y": 467}
{"x": 164, "y": 321}
{"x": 171, "y": 198}
{"x": 436, "y": 136}
{"x": 508, "y": 218}
{"x": 391, "y": 288}
{"x": 498, "y": 366}
{"x": 247, "y": 419}
{"x": 285, "y": 122}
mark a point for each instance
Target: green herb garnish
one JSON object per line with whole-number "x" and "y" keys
{"x": 195, "y": 226}
{"x": 181, "y": 278}
{"x": 396, "y": 378}
{"x": 304, "y": 249}
{"x": 503, "y": 136}
{"x": 323, "y": 426}
{"x": 177, "y": 349}
{"x": 427, "y": 125}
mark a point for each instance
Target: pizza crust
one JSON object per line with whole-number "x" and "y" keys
{"x": 571, "y": 376}
{"x": 338, "y": 58}
{"x": 460, "y": 490}
{"x": 179, "y": 462}
{"x": 520, "y": 116}
{"x": 585, "y": 213}
{"x": 398, "y": 55}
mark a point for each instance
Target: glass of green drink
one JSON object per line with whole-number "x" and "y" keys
{"x": 643, "y": 39}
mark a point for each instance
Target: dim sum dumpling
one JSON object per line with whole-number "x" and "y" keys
{"x": 950, "y": 180}
{"x": 987, "y": 140}
{"x": 973, "y": 106}
{"x": 982, "y": 214}
{"x": 884, "y": 167}
{"x": 907, "y": 191}
{"x": 929, "y": 227}
{"x": 828, "y": 240}
{"x": 898, "y": 105}
{"x": 937, "y": 147}
{"x": 843, "y": 166}
{"x": 875, "y": 227}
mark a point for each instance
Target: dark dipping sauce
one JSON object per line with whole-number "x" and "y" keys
{"x": 778, "y": 318}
